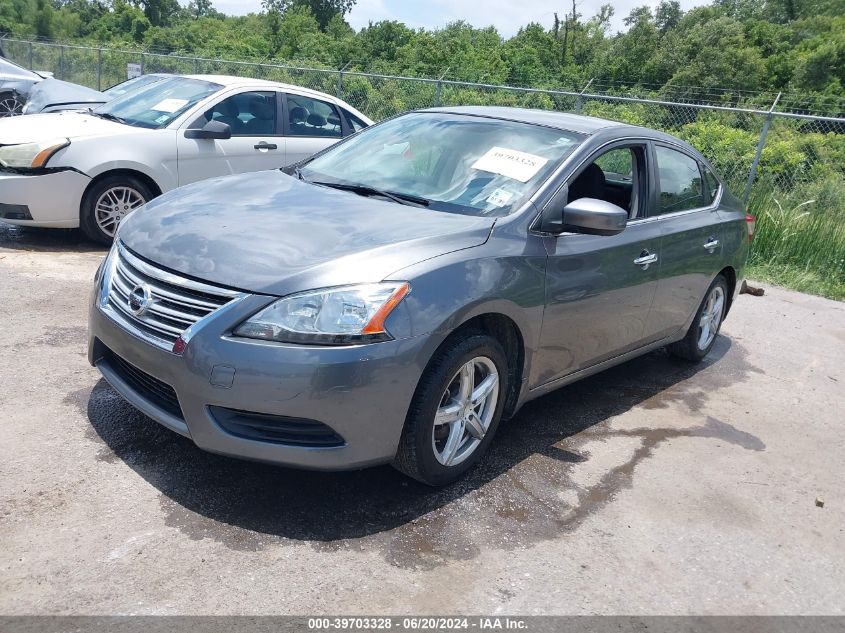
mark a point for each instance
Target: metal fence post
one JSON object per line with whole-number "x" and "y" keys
{"x": 142, "y": 63}
{"x": 99, "y": 68}
{"x": 196, "y": 65}
{"x": 61, "y": 62}
{"x": 579, "y": 101}
{"x": 339, "y": 90}
{"x": 752, "y": 174}
{"x": 438, "y": 92}
{"x": 31, "y": 60}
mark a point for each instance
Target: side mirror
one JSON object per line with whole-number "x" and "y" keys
{"x": 587, "y": 215}
{"x": 211, "y": 130}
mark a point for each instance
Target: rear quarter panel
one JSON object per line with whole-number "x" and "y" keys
{"x": 736, "y": 247}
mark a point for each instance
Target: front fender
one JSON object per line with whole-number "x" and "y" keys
{"x": 152, "y": 155}
{"x": 503, "y": 277}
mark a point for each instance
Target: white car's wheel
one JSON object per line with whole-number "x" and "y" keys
{"x": 108, "y": 202}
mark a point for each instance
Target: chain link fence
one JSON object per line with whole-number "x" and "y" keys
{"x": 788, "y": 154}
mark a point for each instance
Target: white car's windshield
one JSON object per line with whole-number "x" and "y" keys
{"x": 448, "y": 162}
{"x": 157, "y": 104}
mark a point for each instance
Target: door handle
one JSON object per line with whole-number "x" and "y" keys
{"x": 711, "y": 244}
{"x": 645, "y": 259}
{"x": 265, "y": 145}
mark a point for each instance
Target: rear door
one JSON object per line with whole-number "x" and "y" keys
{"x": 256, "y": 143}
{"x": 599, "y": 289}
{"x": 692, "y": 235}
{"x": 310, "y": 125}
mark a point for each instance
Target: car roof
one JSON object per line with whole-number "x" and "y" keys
{"x": 232, "y": 81}
{"x": 549, "y": 118}
{"x": 582, "y": 124}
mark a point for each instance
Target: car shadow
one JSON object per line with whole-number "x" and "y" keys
{"x": 319, "y": 506}
{"x": 30, "y": 238}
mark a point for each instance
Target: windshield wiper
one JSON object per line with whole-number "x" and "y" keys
{"x": 366, "y": 190}
{"x": 108, "y": 116}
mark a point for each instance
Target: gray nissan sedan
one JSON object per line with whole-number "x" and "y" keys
{"x": 399, "y": 294}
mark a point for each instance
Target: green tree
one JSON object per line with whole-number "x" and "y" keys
{"x": 322, "y": 10}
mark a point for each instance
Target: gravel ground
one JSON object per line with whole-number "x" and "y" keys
{"x": 653, "y": 488}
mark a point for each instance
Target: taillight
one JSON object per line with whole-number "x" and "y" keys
{"x": 750, "y": 222}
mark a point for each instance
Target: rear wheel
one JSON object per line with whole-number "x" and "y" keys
{"x": 705, "y": 326}
{"x": 108, "y": 202}
{"x": 455, "y": 411}
{"x": 10, "y": 105}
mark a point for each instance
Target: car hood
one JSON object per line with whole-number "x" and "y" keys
{"x": 43, "y": 127}
{"x": 270, "y": 233}
{"x": 56, "y": 91}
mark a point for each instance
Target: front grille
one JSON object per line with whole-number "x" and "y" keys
{"x": 148, "y": 387}
{"x": 277, "y": 429}
{"x": 173, "y": 303}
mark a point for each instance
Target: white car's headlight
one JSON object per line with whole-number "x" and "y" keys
{"x": 30, "y": 155}
{"x": 333, "y": 316}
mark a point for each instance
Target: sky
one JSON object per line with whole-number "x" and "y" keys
{"x": 506, "y": 15}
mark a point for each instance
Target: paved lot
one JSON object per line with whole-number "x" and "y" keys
{"x": 655, "y": 487}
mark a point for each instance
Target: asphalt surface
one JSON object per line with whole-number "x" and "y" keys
{"x": 654, "y": 488}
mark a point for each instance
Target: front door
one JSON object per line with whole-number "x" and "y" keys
{"x": 599, "y": 289}
{"x": 256, "y": 143}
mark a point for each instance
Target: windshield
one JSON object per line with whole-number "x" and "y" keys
{"x": 463, "y": 164}
{"x": 157, "y": 104}
{"x": 123, "y": 87}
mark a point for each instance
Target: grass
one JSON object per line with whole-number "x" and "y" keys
{"x": 801, "y": 244}
{"x": 809, "y": 281}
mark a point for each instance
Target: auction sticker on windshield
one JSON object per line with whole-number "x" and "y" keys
{"x": 511, "y": 163}
{"x": 169, "y": 105}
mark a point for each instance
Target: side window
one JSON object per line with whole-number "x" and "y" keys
{"x": 246, "y": 113}
{"x": 356, "y": 123}
{"x": 680, "y": 182}
{"x": 617, "y": 164}
{"x": 311, "y": 117}
{"x": 711, "y": 185}
{"x": 614, "y": 176}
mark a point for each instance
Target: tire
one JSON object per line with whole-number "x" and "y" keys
{"x": 107, "y": 202}
{"x": 438, "y": 454}
{"x": 10, "y": 105}
{"x": 696, "y": 345}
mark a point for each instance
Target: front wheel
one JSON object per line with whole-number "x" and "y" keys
{"x": 10, "y": 105}
{"x": 455, "y": 411}
{"x": 109, "y": 201}
{"x": 705, "y": 326}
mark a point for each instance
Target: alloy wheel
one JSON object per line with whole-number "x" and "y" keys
{"x": 10, "y": 106}
{"x": 466, "y": 411}
{"x": 113, "y": 205}
{"x": 711, "y": 317}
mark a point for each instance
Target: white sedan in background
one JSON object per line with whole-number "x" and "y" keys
{"x": 90, "y": 169}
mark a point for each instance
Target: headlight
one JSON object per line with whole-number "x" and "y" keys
{"x": 30, "y": 155}
{"x": 333, "y": 316}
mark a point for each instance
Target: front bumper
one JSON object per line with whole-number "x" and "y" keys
{"x": 361, "y": 392}
{"x": 49, "y": 199}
